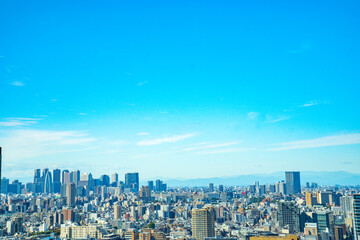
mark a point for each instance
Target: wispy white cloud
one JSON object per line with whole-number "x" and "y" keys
{"x": 82, "y": 114}
{"x": 252, "y": 115}
{"x": 28, "y": 143}
{"x": 310, "y": 104}
{"x": 12, "y": 124}
{"x": 346, "y": 162}
{"x": 210, "y": 146}
{"x": 337, "y": 140}
{"x": 143, "y": 133}
{"x": 313, "y": 103}
{"x": 142, "y": 83}
{"x": 226, "y": 150}
{"x": 17, "y": 84}
{"x": 171, "y": 139}
{"x": 276, "y": 119}
{"x": 15, "y": 122}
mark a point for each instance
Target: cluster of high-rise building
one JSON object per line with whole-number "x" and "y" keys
{"x": 74, "y": 205}
{"x": 65, "y": 181}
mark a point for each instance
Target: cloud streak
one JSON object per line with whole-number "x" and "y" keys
{"x": 142, "y": 83}
{"x": 252, "y": 115}
{"x": 210, "y": 146}
{"x": 15, "y": 122}
{"x": 310, "y": 104}
{"x": 313, "y": 103}
{"x": 143, "y": 133}
{"x": 17, "y": 84}
{"x": 172, "y": 139}
{"x": 275, "y": 120}
{"x": 337, "y": 140}
{"x": 25, "y": 144}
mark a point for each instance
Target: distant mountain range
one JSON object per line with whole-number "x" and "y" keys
{"x": 322, "y": 178}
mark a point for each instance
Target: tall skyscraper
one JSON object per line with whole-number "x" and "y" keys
{"x": 151, "y": 185}
{"x": 288, "y": 214}
{"x": 293, "y": 185}
{"x": 158, "y": 185}
{"x": 4, "y": 185}
{"x": 48, "y": 183}
{"x": 117, "y": 211}
{"x": 211, "y": 187}
{"x": 45, "y": 171}
{"x": 75, "y": 177}
{"x": 56, "y": 180}
{"x": 86, "y": 180}
{"x": 66, "y": 177}
{"x": 56, "y": 175}
{"x": 39, "y": 180}
{"x": 70, "y": 194}
{"x": 163, "y": 187}
{"x": 105, "y": 180}
{"x": 65, "y": 180}
{"x": 36, "y": 175}
{"x": 132, "y": 181}
{"x": 114, "y": 179}
{"x": 356, "y": 216}
{"x": 203, "y": 223}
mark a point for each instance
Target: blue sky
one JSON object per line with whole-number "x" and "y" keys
{"x": 179, "y": 89}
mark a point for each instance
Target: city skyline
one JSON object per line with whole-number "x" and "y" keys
{"x": 174, "y": 90}
{"x": 180, "y": 120}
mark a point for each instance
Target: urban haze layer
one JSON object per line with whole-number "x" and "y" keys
{"x": 63, "y": 204}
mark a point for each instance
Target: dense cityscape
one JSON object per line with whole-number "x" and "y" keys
{"x": 73, "y": 205}
{"x": 179, "y": 120}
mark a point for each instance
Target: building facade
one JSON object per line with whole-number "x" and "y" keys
{"x": 293, "y": 185}
{"x": 203, "y": 223}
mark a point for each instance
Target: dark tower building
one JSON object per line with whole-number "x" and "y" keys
{"x": 288, "y": 215}
{"x": 56, "y": 175}
{"x": 293, "y": 185}
{"x": 105, "y": 180}
{"x": 158, "y": 185}
{"x": 56, "y": 180}
{"x": 132, "y": 181}
{"x": 37, "y": 175}
{"x": 45, "y": 171}
{"x": 151, "y": 185}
